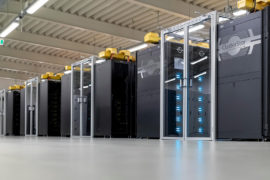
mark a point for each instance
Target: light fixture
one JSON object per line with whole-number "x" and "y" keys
{"x": 9, "y": 29}
{"x": 35, "y": 6}
{"x": 100, "y": 61}
{"x": 137, "y": 48}
{"x": 200, "y": 60}
{"x": 67, "y": 72}
{"x": 192, "y": 29}
{"x": 169, "y": 38}
{"x": 223, "y": 19}
{"x": 240, "y": 12}
{"x": 201, "y": 74}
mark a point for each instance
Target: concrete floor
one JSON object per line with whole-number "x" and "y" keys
{"x": 122, "y": 159}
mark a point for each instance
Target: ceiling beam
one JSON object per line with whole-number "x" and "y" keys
{"x": 5, "y": 82}
{"x": 11, "y": 81}
{"x": 178, "y": 8}
{"x": 34, "y": 56}
{"x": 54, "y": 43}
{"x": 81, "y": 22}
{"x": 16, "y": 74}
{"x": 23, "y": 65}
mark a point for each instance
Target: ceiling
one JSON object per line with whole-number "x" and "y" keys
{"x": 65, "y": 31}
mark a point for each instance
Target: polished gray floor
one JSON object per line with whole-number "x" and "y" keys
{"x": 130, "y": 159}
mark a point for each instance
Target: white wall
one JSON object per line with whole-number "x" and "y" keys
{"x": 5, "y": 82}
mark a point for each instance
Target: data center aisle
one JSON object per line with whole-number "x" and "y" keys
{"x": 123, "y": 159}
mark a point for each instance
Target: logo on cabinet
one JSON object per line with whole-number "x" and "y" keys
{"x": 201, "y": 53}
{"x": 237, "y": 46}
{"x": 180, "y": 50}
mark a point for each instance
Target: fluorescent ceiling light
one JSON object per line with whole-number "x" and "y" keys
{"x": 240, "y": 12}
{"x": 200, "y": 60}
{"x": 192, "y": 29}
{"x": 137, "y": 48}
{"x": 169, "y": 38}
{"x": 201, "y": 74}
{"x": 9, "y": 29}
{"x": 67, "y": 72}
{"x": 34, "y": 7}
{"x": 222, "y": 19}
{"x": 100, "y": 61}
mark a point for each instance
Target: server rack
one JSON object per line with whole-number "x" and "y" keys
{"x": 82, "y": 98}
{"x": 65, "y": 104}
{"x": 3, "y": 106}
{"x": 13, "y": 112}
{"x": 174, "y": 92}
{"x": 148, "y": 93}
{"x": 49, "y": 108}
{"x": 115, "y": 99}
{"x": 188, "y": 79}
{"x": 31, "y": 107}
{"x": 22, "y": 112}
{"x": 198, "y": 95}
{"x": 243, "y": 77}
{"x": 266, "y": 72}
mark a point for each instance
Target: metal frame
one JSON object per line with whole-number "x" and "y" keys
{"x": 214, "y": 20}
{"x": 91, "y": 59}
{"x": 3, "y": 94}
{"x": 31, "y": 81}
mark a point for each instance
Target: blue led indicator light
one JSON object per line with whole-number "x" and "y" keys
{"x": 200, "y": 79}
{"x": 200, "y": 109}
{"x": 200, "y": 130}
{"x": 178, "y": 129}
{"x": 178, "y": 97}
{"x": 200, "y": 119}
{"x": 178, "y": 75}
{"x": 178, "y": 108}
{"x": 178, "y": 119}
{"x": 200, "y": 89}
{"x": 200, "y": 99}
{"x": 178, "y": 87}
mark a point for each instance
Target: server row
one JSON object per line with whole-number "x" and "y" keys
{"x": 205, "y": 79}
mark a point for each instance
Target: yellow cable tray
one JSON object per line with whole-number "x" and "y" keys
{"x": 152, "y": 38}
{"x": 108, "y": 53}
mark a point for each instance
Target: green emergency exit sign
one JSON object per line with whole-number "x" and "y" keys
{"x": 1, "y": 42}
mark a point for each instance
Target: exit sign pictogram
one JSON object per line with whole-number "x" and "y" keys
{"x": 1, "y": 42}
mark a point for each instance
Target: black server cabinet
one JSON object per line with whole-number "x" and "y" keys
{"x": 173, "y": 68}
{"x": 148, "y": 93}
{"x": 199, "y": 93}
{"x": 198, "y": 98}
{"x": 266, "y": 72}
{"x": 22, "y": 112}
{"x": 243, "y": 77}
{"x": 76, "y": 103}
{"x": 49, "y": 108}
{"x": 65, "y": 104}
{"x": 13, "y": 113}
{"x": 115, "y": 99}
{"x": 81, "y": 103}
